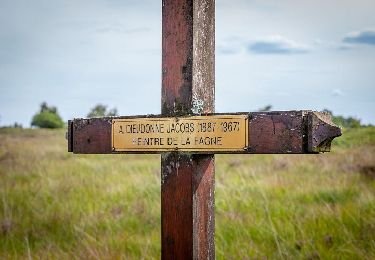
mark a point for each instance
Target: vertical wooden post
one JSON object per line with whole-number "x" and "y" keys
{"x": 188, "y": 87}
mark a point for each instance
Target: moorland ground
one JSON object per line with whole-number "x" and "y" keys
{"x": 58, "y": 205}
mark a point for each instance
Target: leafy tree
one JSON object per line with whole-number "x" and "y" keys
{"x": 45, "y": 108}
{"x": 47, "y": 117}
{"x": 112, "y": 112}
{"x": 101, "y": 110}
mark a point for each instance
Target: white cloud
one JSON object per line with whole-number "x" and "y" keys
{"x": 366, "y": 36}
{"x": 336, "y": 92}
{"x": 230, "y": 45}
{"x": 277, "y": 45}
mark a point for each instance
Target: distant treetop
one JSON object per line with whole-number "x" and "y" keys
{"x": 265, "y": 109}
{"x": 100, "y": 110}
{"x": 47, "y": 117}
{"x": 347, "y": 122}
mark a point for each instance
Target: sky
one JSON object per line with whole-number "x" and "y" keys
{"x": 292, "y": 54}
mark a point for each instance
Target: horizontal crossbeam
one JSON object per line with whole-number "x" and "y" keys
{"x": 282, "y": 132}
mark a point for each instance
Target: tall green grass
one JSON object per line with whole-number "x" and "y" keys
{"x": 58, "y": 205}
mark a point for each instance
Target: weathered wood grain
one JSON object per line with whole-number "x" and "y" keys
{"x": 188, "y": 86}
{"x": 269, "y": 132}
{"x": 277, "y": 132}
{"x": 91, "y": 136}
{"x": 321, "y": 132}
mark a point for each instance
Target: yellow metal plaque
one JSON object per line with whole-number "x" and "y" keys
{"x": 195, "y": 133}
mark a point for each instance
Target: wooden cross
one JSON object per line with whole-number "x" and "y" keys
{"x": 187, "y": 134}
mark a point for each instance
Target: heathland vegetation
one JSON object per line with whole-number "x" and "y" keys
{"x": 58, "y": 205}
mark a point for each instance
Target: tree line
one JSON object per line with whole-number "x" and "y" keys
{"x": 48, "y": 117}
{"x": 342, "y": 121}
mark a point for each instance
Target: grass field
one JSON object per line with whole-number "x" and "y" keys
{"x": 62, "y": 206}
